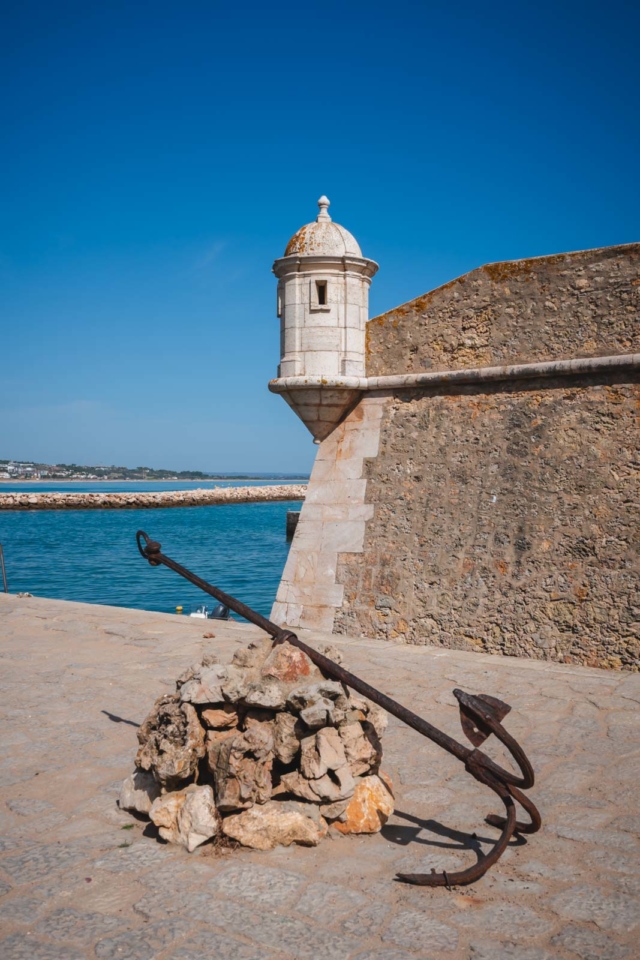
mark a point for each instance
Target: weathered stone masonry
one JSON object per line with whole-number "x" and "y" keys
{"x": 583, "y": 304}
{"x": 504, "y": 520}
{"x": 498, "y": 516}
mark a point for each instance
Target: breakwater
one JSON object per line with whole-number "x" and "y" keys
{"x": 163, "y": 498}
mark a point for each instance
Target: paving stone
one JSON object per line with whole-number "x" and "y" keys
{"x": 610, "y": 911}
{"x": 389, "y": 954}
{"x": 28, "y": 808}
{"x": 328, "y": 903}
{"x": 40, "y": 861}
{"x": 630, "y": 823}
{"x": 135, "y": 857}
{"x": 366, "y": 922}
{"x": 589, "y": 944}
{"x": 207, "y": 944}
{"x": 630, "y": 885}
{"x": 79, "y": 738}
{"x": 143, "y": 943}
{"x": 612, "y": 860}
{"x": 104, "y": 806}
{"x": 521, "y": 922}
{"x": 60, "y": 885}
{"x": 511, "y": 885}
{"x": 490, "y": 950}
{"x": 22, "y": 946}
{"x": 413, "y": 863}
{"x": 610, "y": 838}
{"x": 569, "y": 816}
{"x": 68, "y": 924}
{"x": 20, "y": 910}
{"x": 536, "y": 868}
{"x": 195, "y": 903}
{"x": 419, "y": 931}
{"x": 41, "y": 825}
{"x": 7, "y": 843}
{"x": 283, "y": 933}
{"x": 178, "y": 871}
{"x": 263, "y": 885}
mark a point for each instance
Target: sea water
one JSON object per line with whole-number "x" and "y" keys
{"x": 91, "y": 555}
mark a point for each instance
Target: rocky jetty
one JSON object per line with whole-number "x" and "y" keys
{"x": 163, "y": 498}
{"x": 265, "y": 750}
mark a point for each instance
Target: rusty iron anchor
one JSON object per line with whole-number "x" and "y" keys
{"x": 480, "y": 716}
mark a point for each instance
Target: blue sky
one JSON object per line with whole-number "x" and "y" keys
{"x": 157, "y": 157}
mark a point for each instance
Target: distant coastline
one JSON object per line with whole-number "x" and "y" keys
{"x": 266, "y": 478}
{"x": 32, "y": 471}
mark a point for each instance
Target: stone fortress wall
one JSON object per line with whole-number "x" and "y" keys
{"x": 499, "y": 515}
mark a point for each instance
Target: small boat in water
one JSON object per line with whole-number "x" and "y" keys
{"x": 202, "y": 612}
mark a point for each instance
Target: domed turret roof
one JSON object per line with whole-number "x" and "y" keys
{"x": 323, "y": 238}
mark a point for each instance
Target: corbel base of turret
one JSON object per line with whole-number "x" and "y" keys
{"x": 320, "y": 402}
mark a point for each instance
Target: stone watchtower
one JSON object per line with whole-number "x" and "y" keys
{"x": 323, "y": 306}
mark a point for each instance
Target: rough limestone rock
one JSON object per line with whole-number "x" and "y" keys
{"x": 333, "y": 811}
{"x": 267, "y": 693}
{"x": 195, "y": 668}
{"x": 305, "y": 696}
{"x": 287, "y": 734}
{"x": 236, "y": 686}
{"x": 138, "y": 792}
{"x": 335, "y": 785}
{"x": 171, "y": 742}
{"x": 241, "y": 768}
{"x": 268, "y": 826}
{"x": 206, "y": 685}
{"x": 377, "y": 717}
{"x": 368, "y": 809}
{"x": 188, "y": 817}
{"x": 319, "y": 714}
{"x": 361, "y": 746}
{"x": 252, "y": 657}
{"x": 322, "y": 752}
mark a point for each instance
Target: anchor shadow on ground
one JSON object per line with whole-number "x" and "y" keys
{"x": 454, "y": 840}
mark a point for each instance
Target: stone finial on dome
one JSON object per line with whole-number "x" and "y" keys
{"x": 323, "y": 238}
{"x": 324, "y": 203}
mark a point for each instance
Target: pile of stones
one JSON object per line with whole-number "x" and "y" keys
{"x": 265, "y": 750}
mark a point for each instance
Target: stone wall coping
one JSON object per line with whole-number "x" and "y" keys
{"x": 416, "y": 381}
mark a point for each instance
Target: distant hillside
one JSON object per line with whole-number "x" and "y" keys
{"x": 30, "y": 470}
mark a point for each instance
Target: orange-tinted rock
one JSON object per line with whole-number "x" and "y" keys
{"x": 221, "y": 717}
{"x": 288, "y": 664}
{"x": 369, "y": 808}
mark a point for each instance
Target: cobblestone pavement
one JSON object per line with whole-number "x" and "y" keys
{"x": 80, "y": 879}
